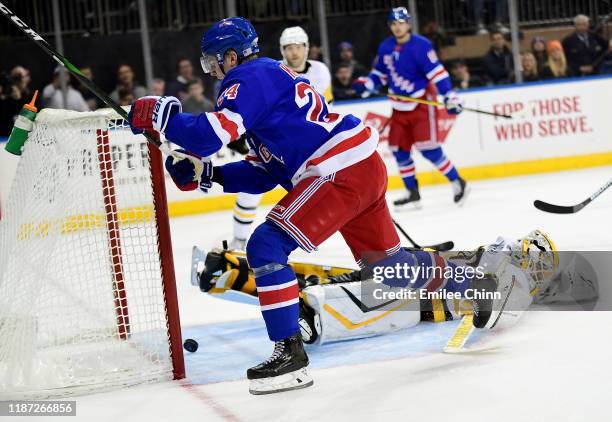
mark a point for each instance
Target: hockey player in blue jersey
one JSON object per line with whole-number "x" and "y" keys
{"x": 408, "y": 65}
{"x": 328, "y": 163}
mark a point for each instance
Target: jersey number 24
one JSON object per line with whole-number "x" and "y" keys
{"x": 305, "y": 95}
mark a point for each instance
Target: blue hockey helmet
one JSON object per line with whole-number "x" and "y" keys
{"x": 234, "y": 33}
{"x": 399, "y": 14}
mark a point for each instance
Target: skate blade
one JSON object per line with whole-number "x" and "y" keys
{"x": 292, "y": 381}
{"x": 465, "y": 195}
{"x": 411, "y": 206}
{"x": 197, "y": 256}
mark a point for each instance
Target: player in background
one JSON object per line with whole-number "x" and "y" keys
{"x": 408, "y": 64}
{"x": 335, "y": 180}
{"x": 294, "y": 48}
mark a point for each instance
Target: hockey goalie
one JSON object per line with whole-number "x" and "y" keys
{"x": 341, "y": 303}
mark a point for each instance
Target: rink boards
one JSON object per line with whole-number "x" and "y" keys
{"x": 556, "y": 126}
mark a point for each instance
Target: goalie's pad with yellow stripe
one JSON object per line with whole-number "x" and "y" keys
{"x": 352, "y": 310}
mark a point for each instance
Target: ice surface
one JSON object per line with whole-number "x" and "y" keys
{"x": 552, "y": 366}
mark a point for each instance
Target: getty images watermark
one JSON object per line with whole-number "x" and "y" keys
{"x": 411, "y": 273}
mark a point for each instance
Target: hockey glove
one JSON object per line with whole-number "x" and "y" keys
{"x": 152, "y": 113}
{"x": 189, "y": 172}
{"x": 364, "y": 86}
{"x": 453, "y": 103}
{"x": 240, "y": 145}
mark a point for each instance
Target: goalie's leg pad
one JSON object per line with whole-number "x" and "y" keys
{"x": 346, "y": 311}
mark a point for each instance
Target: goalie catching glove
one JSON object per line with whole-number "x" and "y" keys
{"x": 223, "y": 270}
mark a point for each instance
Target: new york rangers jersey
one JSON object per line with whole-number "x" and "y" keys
{"x": 320, "y": 78}
{"x": 408, "y": 69}
{"x": 290, "y": 131}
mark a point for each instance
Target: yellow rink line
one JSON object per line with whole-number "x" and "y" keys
{"x": 488, "y": 171}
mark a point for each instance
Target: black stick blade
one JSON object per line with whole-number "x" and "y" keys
{"x": 557, "y": 209}
{"x": 442, "y": 247}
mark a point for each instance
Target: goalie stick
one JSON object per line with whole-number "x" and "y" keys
{"x": 570, "y": 209}
{"x": 90, "y": 85}
{"x": 440, "y": 247}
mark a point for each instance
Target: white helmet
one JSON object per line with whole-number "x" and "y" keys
{"x": 293, "y": 35}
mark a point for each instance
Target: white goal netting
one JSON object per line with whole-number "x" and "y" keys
{"x": 82, "y": 303}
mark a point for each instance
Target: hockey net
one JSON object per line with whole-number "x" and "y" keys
{"x": 87, "y": 290}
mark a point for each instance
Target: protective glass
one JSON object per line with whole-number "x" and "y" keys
{"x": 209, "y": 63}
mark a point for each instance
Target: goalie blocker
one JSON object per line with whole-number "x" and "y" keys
{"x": 340, "y": 303}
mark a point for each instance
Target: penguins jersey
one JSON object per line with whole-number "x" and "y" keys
{"x": 408, "y": 69}
{"x": 320, "y": 78}
{"x": 290, "y": 131}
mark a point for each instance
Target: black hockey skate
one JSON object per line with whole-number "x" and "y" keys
{"x": 483, "y": 307}
{"x": 413, "y": 200}
{"x": 283, "y": 371}
{"x": 460, "y": 191}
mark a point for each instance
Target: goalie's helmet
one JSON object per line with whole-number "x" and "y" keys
{"x": 538, "y": 257}
{"x": 293, "y": 35}
{"x": 234, "y": 33}
{"x": 399, "y": 14}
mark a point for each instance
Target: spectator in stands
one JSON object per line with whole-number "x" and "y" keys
{"x": 556, "y": 66}
{"x": 538, "y": 49}
{"x": 196, "y": 102}
{"x": 461, "y": 77}
{"x": 606, "y": 63}
{"x": 583, "y": 48}
{"x": 501, "y": 15}
{"x": 432, "y": 31}
{"x": 530, "y": 68}
{"x": 53, "y": 96}
{"x": 498, "y": 61}
{"x": 345, "y": 49}
{"x": 88, "y": 96}
{"x": 159, "y": 87}
{"x": 315, "y": 52}
{"x": 342, "y": 85}
{"x": 21, "y": 75}
{"x": 11, "y": 102}
{"x": 125, "y": 78}
{"x": 178, "y": 87}
{"x": 126, "y": 97}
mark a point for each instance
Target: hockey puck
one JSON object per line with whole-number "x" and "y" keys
{"x": 190, "y": 345}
